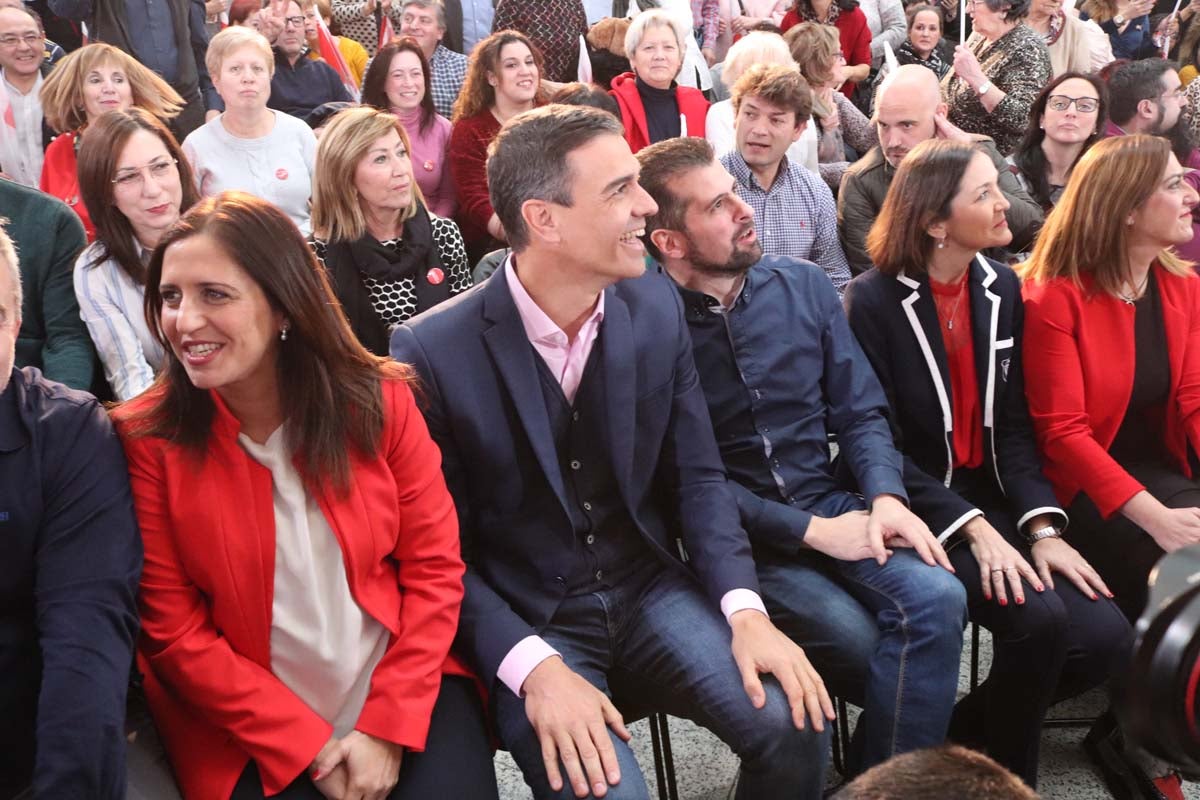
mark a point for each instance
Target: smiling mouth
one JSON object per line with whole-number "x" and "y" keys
{"x": 633, "y": 237}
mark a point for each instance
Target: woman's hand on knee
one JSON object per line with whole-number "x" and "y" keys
{"x": 1055, "y": 555}
{"x": 1001, "y": 566}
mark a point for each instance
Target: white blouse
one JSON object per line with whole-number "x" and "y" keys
{"x": 324, "y": 647}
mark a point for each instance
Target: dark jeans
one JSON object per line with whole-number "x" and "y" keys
{"x": 887, "y": 638}
{"x": 658, "y": 637}
{"x": 1120, "y": 551}
{"x": 456, "y": 762}
{"x": 1057, "y": 645}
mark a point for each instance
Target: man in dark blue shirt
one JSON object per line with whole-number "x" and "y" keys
{"x": 68, "y": 580}
{"x": 300, "y": 84}
{"x": 869, "y": 594}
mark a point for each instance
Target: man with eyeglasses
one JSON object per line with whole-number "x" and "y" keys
{"x": 300, "y": 84}
{"x": 908, "y": 110}
{"x": 167, "y": 36}
{"x": 23, "y": 134}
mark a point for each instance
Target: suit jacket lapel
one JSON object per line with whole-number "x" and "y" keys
{"x": 985, "y": 315}
{"x": 514, "y": 356}
{"x": 620, "y": 378}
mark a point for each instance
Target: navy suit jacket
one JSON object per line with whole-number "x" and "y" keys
{"x": 485, "y": 409}
{"x": 896, "y": 322}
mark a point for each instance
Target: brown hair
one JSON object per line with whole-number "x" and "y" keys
{"x": 1085, "y": 233}
{"x": 663, "y": 162}
{"x": 98, "y": 156}
{"x": 920, "y": 195}
{"x": 337, "y": 212}
{"x": 948, "y": 772}
{"x": 910, "y": 15}
{"x": 373, "y": 91}
{"x": 477, "y": 94}
{"x": 780, "y": 86}
{"x": 814, "y": 47}
{"x": 62, "y": 92}
{"x": 321, "y": 368}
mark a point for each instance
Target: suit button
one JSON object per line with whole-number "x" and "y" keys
{"x": 591, "y": 539}
{"x": 599, "y": 574}
{"x": 575, "y": 464}
{"x": 575, "y": 416}
{"x": 559, "y": 579}
{"x": 587, "y": 506}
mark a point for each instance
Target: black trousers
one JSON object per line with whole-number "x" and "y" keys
{"x": 1057, "y": 645}
{"x": 457, "y": 761}
{"x": 1120, "y": 551}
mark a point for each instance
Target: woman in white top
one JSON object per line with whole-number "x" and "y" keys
{"x": 757, "y": 47}
{"x": 134, "y": 180}
{"x": 249, "y": 146}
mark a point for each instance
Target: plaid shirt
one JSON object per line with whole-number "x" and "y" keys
{"x": 447, "y": 71}
{"x": 706, "y": 16}
{"x": 796, "y": 217}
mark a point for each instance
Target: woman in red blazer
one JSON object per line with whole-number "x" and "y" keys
{"x": 652, "y": 106}
{"x": 853, "y": 31}
{"x": 503, "y": 79}
{"x": 1112, "y": 359}
{"x": 303, "y": 576}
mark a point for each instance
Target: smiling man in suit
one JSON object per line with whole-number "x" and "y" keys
{"x": 602, "y": 542}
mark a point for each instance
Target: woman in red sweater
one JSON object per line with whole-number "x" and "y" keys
{"x": 853, "y": 31}
{"x": 1112, "y": 373}
{"x": 85, "y": 84}
{"x": 302, "y": 579}
{"x": 503, "y": 79}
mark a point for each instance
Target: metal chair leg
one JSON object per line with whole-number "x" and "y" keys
{"x": 841, "y": 736}
{"x": 664, "y": 761}
{"x": 974, "y": 656}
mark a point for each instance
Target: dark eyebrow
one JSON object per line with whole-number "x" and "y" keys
{"x": 616, "y": 183}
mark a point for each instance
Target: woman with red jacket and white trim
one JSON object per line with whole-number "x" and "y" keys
{"x": 303, "y": 578}
{"x": 653, "y": 107}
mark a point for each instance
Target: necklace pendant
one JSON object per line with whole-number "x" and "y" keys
{"x": 949, "y": 324}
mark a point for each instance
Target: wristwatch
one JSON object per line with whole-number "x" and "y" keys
{"x": 1048, "y": 532}
{"x": 1118, "y": 20}
{"x": 984, "y": 88}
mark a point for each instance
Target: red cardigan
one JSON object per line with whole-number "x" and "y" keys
{"x": 1079, "y": 365}
{"x": 467, "y": 154}
{"x": 208, "y": 528}
{"x": 693, "y": 107}
{"x": 60, "y": 178}
{"x": 854, "y": 34}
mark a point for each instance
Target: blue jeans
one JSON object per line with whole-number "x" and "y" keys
{"x": 887, "y": 638}
{"x": 658, "y": 637}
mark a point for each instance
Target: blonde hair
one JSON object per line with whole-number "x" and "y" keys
{"x": 814, "y": 46}
{"x": 337, "y": 212}
{"x": 234, "y": 38}
{"x": 756, "y": 47}
{"x": 1085, "y": 233}
{"x": 62, "y": 92}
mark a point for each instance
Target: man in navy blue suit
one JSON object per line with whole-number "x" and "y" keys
{"x": 603, "y": 546}
{"x": 68, "y": 580}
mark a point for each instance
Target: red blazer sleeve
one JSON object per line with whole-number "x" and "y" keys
{"x": 188, "y": 654}
{"x": 856, "y": 39}
{"x": 467, "y": 154}
{"x": 406, "y": 681}
{"x": 1187, "y": 396}
{"x": 790, "y": 20}
{"x": 1055, "y": 389}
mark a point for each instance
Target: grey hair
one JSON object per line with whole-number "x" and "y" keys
{"x": 8, "y": 254}
{"x": 656, "y": 18}
{"x": 1013, "y": 10}
{"x": 434, "y": 4}
{"x": 528, "y": 160}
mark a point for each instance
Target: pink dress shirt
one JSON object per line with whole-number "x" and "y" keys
{"x": 566, "y": 360}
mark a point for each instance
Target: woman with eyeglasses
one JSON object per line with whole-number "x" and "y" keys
{"x": 1067, "y": 118}
{"x": 135, "y": 182}
{"x": 88, "y": 82}
{"x": 997, "y": 73}
{"x": 251, "y": 147}
{"x": 854, "y": 34}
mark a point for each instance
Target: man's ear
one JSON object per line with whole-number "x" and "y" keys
{"x": 541, "y": 221}
{"x": 1147, "y": 109}
{"x": 942, "y": 110}
{"x": 670, "y": 243}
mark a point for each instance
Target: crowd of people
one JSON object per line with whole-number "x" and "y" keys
{"x": 379, "y": 387}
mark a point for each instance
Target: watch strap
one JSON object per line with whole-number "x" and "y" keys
{"x": 1045, "y": 532}
{"x": 984, "y": 88}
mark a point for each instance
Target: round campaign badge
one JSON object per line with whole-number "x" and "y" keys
{"x": 435, "y": 276}
{"x": 281, "y": 174}
{"x": 428, "y": 165}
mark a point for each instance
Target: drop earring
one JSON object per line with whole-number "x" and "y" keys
{"x": 941, "y": 243}
{"x": 283, "y": 333}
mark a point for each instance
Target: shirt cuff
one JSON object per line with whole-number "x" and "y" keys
{"x": 522, "y": 659}
{"x": 736, "y": 600}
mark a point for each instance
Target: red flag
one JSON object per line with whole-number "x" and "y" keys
{"x": 328, "y": 50}
{"x": 386, "y": 34}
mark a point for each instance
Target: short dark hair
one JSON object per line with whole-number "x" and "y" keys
{"x": 948, "y": 772}
{"x": 1013, "y": 9}
{"x": 661, "y": 163}
{"x": 778, "y": 85}
{"x": 586, "y": 94}
{"x": 544, "y": 137}
{"x": 1132, "y": 83}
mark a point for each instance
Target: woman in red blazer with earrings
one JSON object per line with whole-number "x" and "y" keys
{"x": 303, "y": 577}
